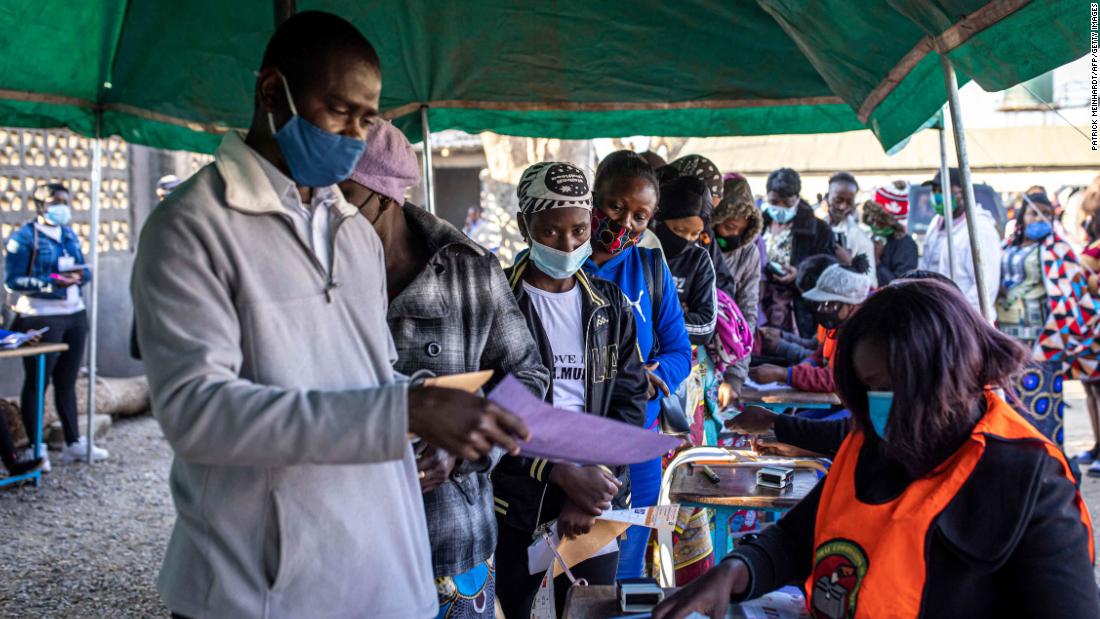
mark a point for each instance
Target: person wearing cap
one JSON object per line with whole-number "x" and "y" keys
{"x": 587, "y": 335}
{"x": 683, "y": 213}
{"x": 886, "y": 214}
{"x": 840, "y": 290}
{"x": 1043, "y": 303}
{"x": 705, "y": 170}
{"x": 451, "y": 311}
{"x": 851, "y": 238}
{"x": 166, "y": 185}
{"x": 989, "y": 243}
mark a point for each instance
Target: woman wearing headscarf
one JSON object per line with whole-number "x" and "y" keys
{"x": 1043, "y": 302}
{"x": 586, "y": 334}
{"x": 895, "y": 251}
{"x": 891, "y": 531}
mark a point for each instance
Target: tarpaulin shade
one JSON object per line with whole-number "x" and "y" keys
{"x": 176, "y": 74}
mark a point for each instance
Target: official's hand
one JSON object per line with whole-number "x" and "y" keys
{"x": 709, "y": 594}
{"x": 768, "y": 446}
{"x": 464, "y": 424}
{"x": 655, "y": 383}
{"x": 573, "y": 521}
{"x": 753, "y": 420}
{"x": 589, "y": 488}
{"x": 767, "y": 373}
{"x": 434, "y": 466}
{"x": 727, "y": 395}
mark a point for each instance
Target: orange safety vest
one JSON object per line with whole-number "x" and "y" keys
{"x": 869, "y": 559}
{"x": 827, "y": 337}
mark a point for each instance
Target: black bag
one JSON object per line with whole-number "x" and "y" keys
{"x": 674, "y": 417}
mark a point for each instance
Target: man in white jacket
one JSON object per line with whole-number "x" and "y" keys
{"x": 260, "y": 297}
{"x": 989, "y": 245}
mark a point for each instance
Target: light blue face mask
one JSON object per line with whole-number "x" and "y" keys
{"x": 879, "y": 404}
{"x": 59, "y": 214}
{"x": 316, "y": 158}
{"x": 559, "y": 264}
{"x": 782, "y": 214}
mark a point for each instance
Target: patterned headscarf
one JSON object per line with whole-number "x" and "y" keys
{"x": 553, "y": 184}
{"x": 702, "y": 167}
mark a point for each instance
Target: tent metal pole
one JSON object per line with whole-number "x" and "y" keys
{"x": 948, "y": 207}
{"x": 426, "y": 159}
{"x": 968, "y": 185}
{"x": 284, "y": 9}
{"x": 93, "y": 315}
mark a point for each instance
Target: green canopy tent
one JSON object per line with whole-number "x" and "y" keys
{"x": 178, "y": 74}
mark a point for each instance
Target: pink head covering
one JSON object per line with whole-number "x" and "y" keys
{"x": 388, "y": 165}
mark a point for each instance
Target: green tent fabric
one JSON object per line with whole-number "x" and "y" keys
{"x": 177, "y": 74}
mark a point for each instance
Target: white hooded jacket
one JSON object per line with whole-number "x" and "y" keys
{"x": 989, "y": 246}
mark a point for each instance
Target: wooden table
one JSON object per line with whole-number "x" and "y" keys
{"x": 782, "y": 399}
{"x": 40, "y": 351}
{"x": 736, "y": 489}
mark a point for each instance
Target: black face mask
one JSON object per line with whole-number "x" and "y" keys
{"x": 672, "y": 244}
{"x": 829, "y": 320}
{"x": 726, "y": 243}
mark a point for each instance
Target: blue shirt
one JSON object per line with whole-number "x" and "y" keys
{"x": 664, "y": 324}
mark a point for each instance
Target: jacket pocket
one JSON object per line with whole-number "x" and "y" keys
{"x": 274, "y": 548}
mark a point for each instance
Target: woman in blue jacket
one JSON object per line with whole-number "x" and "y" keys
{"x": 43, "y": 274}
{"x": 626, "y": 192}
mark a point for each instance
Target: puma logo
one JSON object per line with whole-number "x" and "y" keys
{"x": 601, "y": 321}
{"x": 637, "y": 305}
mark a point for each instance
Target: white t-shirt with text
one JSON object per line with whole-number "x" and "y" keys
{"x": 560, "y": 314}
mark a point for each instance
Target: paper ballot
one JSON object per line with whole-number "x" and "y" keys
{"x": 469, "y": 382}
{"x": 765, "y": 387}
{"x": 657, "y": 517}
{"x": 566, "y": 436}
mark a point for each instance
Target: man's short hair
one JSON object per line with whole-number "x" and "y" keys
{"x": 785, "y": 182}
{"x": 309, "y": 38}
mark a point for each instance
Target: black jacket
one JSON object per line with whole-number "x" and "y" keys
{"x": 810, "y": 236}
{"x": 693, "y": 272}
{"x": 898, "y": 258}
{"x": 615, "y": 387}
{"x": 1009, "y": 544}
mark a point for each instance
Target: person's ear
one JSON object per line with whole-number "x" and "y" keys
{"x": 270, "y": 94}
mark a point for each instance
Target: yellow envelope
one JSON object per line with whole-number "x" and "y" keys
{"x": 580, "y": 548}
{"x": 469, "y": 382}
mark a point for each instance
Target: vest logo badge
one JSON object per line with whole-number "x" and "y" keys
{"x": 839, "y": 568}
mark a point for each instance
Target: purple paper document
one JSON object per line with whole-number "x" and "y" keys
{"x": 566, "y": 436}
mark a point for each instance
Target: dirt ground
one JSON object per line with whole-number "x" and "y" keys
{"x": 89, "y": 542}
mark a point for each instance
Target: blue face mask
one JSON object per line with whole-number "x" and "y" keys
{"x": 1038, "y": 230}
{"x": 59, "y": 214}
{"x": 316, "y": 158}
{"x": 782, "y": 214}
{"x": 879, "y": 404}
{"x": 559, "y": 264}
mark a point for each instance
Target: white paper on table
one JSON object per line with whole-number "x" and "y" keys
{"x": 656, "y": 517}
{"x": 785, "y": 603}
{"x": 539, "y": 554}
{"x": 776, "y": 386}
